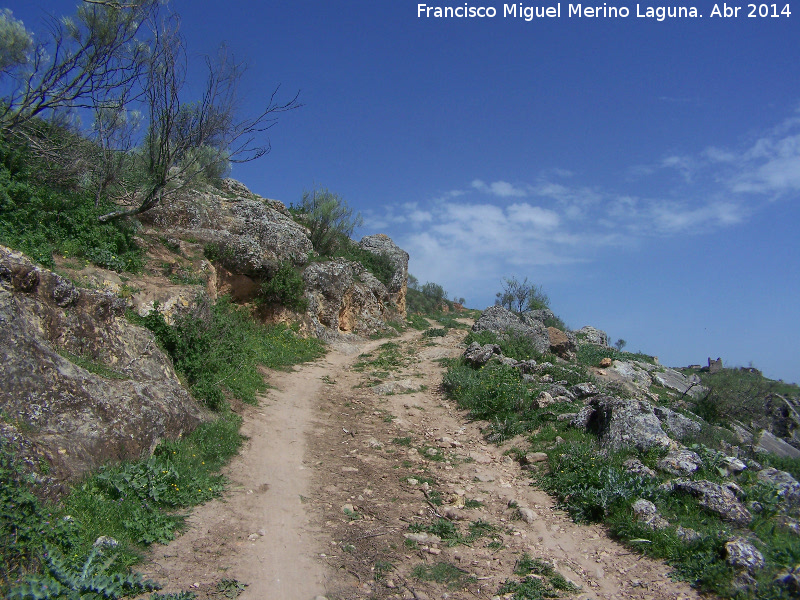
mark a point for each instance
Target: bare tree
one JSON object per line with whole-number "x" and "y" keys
{"x": 93, "y": 55}
{"x": 186, "y": 139}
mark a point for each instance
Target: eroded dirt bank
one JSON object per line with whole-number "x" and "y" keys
{"x": 351, "y": 462}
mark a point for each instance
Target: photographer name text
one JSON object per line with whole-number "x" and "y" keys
{"x": 606, "y": 11}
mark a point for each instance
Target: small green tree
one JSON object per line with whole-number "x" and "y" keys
{"x": 329, "y": 218}
{"x": 519, "y": 296}
{"x": 620, "y": 344}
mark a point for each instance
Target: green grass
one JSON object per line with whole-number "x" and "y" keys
{"x": 136, "y": 503}
{"x": 451, "y": 534}
{"x": 390, "y": 357}
{"x": 513, "y": 346}
{"x": 42, "y": 221}
{"x": 442, "y": 572}
{"x": 220, "y": 355}
{"x": 591, "y": 355}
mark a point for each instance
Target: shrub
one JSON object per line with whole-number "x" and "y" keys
{"x": 220, "y": 354}
{"x": 286, "y": 288}
{"x": 39, "y": 220}
{"x": 328, "y": 217}
{"x": 735, "y": 394}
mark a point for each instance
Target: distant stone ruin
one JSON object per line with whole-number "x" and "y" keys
{"x": 714, "y": 366}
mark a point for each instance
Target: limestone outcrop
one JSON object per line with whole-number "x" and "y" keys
{"x": 81, "y": 385}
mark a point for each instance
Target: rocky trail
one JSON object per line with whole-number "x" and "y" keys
{"x": 361, "y": 480}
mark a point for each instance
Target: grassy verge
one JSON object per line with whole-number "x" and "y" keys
{"x": 50, "y": 550}
{"x": 594, "y": 484}
{"x": 219, "y": 355}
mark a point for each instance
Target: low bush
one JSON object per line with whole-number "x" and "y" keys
{"x": 40, "y": 221}
{"x": 49, "y": 548}
{"x": 285, "y": 288}
{"x": 220, "y": 355}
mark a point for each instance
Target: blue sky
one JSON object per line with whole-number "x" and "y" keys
{"x": 645, "y": 173}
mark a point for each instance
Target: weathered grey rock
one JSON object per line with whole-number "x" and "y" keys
{"x": 583, "y": 418}
{"x": 731, "y": 465}
{"x": 687, "y": 534}
{"x": 383, "y": 245}
{"x": 676, "y": 424}
{"x": 742, "y": 433}
{"x": 543, "y": 400}
{"x": 542, "y": 314}
{"x": 560, "y": 390}
{"x": 637, "y": 467}
{"x": 527, "y": 514}
{"x": 681, "y": 461}
{"x": 584, "y": 390}
{"x": 742, "y": 555}
{"x": 478, "y": 355}
{"x": 622, "y": 423}
{"x": 715, "y": 498}
{"x": 593, "y": 335}
{"x": 767, "y": 442}
{"x": 788, "y": 486}
{"x": 503, "y": 322}
{"x": 790, "y": 579}
{"x": 253, "y": 234}
{"x": 527, "y": 366}
{"x": 647, "y": 513}
{"x": 343, "y": 298}
{"x": 633, "y": 372}
{"x": 75, "y": 419}
{"x": 674, "y": 380}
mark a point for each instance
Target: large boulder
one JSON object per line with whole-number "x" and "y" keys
{"x": 716, "y": 498}
{"x": 678, "y": 425}
{"x": 772, "y": 444}
{"x": 674, "y": 380}
{"x": 383, "y": 245}
{"x": 343, "y": 297}
{"x": 503, "y": 322}
{"x": 478, "y": 355}
{"x": 251, "y": 235}
{"x": 633, "y": 372}
{"x": 787, "y": 486}
{"x": 80, "y": 384}
{"x": 561, "y": 343}
{"x": 622, "y": 423}
{"x": 593, "y": 335}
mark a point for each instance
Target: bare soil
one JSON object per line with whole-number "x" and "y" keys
{"x": 344, "y": 458}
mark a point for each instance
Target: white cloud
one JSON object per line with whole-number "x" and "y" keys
{"x": 770, "y": 166}
{"x": 502, "y": 189}
{"x": 472, "y": 235}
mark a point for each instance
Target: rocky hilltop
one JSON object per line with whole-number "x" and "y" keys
{"x": 83, "y": 385}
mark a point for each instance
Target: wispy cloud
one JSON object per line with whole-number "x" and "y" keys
{"x": 502, "y": 189}
{"x": 472, "y": 234}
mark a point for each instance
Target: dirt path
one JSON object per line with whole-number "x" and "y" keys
{"x": 350, "y": 455}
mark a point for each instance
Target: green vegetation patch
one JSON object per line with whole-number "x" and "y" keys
{"x": 592, "y": 354}
{"x": 48, "y": 549}
{"x": 442, "y": 572}
{"x": 220, "y": 354}
{"x": 40, "y": 220}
